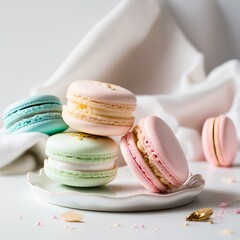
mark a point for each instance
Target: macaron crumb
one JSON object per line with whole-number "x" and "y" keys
{"x": 227, "y": 232}
{"x": 71, "y": 216}
{"x": 185, "y": 223}
{"x": 69, "y": 227}
{"x": 55, "y": 217}
{"x": 39, "y": 224}
{"x": 223, "y": 204}
{"x": 237, "y": 211}
{"x": 116, "y": 225}
{"x": 229, "y": 180}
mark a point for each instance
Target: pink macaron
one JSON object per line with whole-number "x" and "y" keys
{"x": 219, "y": 140}
{"x": 99, "y": 108}
{"x": 155, "y": 156}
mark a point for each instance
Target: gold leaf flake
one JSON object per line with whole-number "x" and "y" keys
{"x": 80, "y": 136}
{"x": 200, "y": 215}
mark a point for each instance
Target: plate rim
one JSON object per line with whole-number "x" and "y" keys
{"x": 46, "y": 194}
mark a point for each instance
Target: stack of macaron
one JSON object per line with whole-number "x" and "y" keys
{"x": 86, "y": 156}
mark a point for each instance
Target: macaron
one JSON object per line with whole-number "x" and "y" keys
{"x": 41, "y": 113}
{"x": 80, "y": 159}
{"x": 99, "y": 108}
{"x": 219, "y": 141}
{"x": 154, "y": 155}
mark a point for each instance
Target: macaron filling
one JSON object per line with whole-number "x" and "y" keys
{"x": 100, "y": 104}
{"x": 152, "y": 182}
{"x": 81, "y": 166}
{"x": 97, "y": 118}
{"x": 149, "y": 156}
{"x": 99, "y": 111}
{"x": 213, "y": 141}
{"x": 87, "y": 108}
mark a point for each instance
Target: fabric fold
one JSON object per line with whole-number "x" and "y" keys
{"x": 139, "y": 46}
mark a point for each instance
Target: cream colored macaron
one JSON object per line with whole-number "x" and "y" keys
{"x": 99, "y": 108}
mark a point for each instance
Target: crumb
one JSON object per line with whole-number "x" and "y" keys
{"x": 223, "y": 204}
{"x": 210, "y": 222}
{"x": 185, "y": 223}
{"x": 39, "y": 224}
{"x": 116, "y": 225}
{"x": 229, "y": 180}
{"x": 227, "y": 232}
{"x": 237, "y": 211}
{"x": 71, "y": 216}
{"x": 21, "y": 217}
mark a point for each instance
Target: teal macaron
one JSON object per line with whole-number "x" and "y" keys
{"x": 41, "y": 113}
{"x": 81, "y": 160}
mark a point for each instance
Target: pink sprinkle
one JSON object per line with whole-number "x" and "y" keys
{"x": 238, "y": 211}
{"x": 142, "y": 225}
{"x": 223, "y": 204}
{"x": 21, "y": 217}
{"x": 55, "y": 217}
{"x": 39, "y": 224}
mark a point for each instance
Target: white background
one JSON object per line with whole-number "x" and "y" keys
{"x": 37, "y": 35}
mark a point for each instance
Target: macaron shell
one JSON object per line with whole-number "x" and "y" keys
{"x": 170, "y": 158}
{"x": 88, "y": 126}
{"x": 225, "y": 139}
{"x": 77, "y": 146}
{"x": 105, "y": 92}
{"x": 137, "y": 164}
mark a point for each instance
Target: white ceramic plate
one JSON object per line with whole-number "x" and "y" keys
{"x": 123, "y": 194}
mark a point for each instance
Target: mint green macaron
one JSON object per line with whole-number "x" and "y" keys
{"x": 81, "y": 160}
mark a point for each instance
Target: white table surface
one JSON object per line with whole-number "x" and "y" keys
{"x": 22, "y": 212}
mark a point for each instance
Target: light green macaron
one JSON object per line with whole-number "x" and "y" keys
{"x": 80, "y": 159}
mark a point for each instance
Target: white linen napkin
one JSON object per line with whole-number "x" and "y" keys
{"x": 139, "y": 46}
